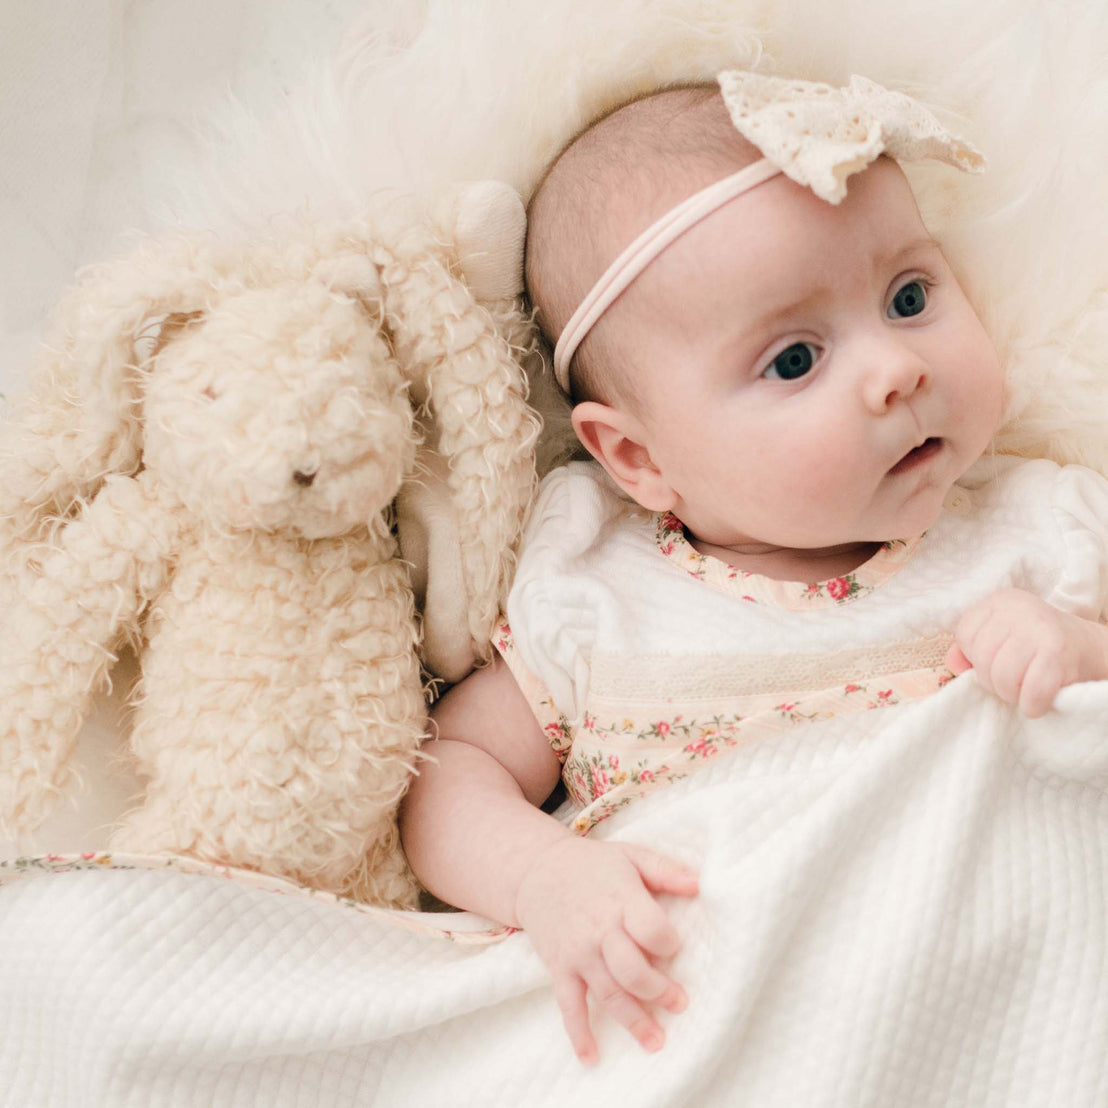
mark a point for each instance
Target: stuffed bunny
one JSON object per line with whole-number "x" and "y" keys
{"x": 217, "y": 490}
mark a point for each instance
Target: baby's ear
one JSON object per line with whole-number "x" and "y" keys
{"x": 618, "y": 442}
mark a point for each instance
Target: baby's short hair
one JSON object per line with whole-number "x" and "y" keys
{"x": 620, "y": 174}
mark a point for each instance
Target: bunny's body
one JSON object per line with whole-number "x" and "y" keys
{"x": 302, "y": 747}
{"x": 225, "y": 505}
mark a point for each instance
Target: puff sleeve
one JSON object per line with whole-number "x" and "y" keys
{"x": 554, "y": 601}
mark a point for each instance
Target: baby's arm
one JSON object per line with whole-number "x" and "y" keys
{"x": 1025, "y": 650}
{"x": 475, "y": 837}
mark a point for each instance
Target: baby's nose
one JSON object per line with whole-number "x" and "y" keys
{"x": 896, "y": 378}
{"x": 902, "y": 391}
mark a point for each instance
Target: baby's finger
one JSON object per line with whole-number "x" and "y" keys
{"x": 969, "y": 628}
{"x": 1009, "y": 667}
{"x": 661, "y": 874}
{"x": 630, "y": 969}
{"x": 956, "y": 661}
{"x": 570, "y": 994}
{"x": 1041, "y": 684}
{"x": 647, "y": 923}
{"x": 987, "y": 644}
{"x": 625, "y": 1009}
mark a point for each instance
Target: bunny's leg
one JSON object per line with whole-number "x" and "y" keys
{"x": 70, "y": 613}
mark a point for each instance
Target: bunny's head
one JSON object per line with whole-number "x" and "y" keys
{"x": 279, "y": 408}
{"x": 281, "y": 383}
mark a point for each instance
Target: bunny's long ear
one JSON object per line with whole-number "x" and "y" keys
{"x": 80, "y": 420}
{"x": 467, "y": 377}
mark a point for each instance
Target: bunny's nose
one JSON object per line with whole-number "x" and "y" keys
{"x": 304, "y": 479}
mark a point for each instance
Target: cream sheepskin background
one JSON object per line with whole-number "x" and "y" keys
{"x": 425, "y": 93}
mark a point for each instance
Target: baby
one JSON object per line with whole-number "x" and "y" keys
{"x": 782, "y": 393}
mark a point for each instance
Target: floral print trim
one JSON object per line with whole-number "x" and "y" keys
{"x": 674, "y": 544}
{"x": 555, "y": 725}
{"x": 18, "y": 869}
{"x": 626, "y": 746}
{"x": 614, "y": 761}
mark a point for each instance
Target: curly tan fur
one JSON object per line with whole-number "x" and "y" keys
{"x": 222, "y": 498}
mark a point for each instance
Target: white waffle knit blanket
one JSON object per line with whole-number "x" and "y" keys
{"x": 896, "y": 909}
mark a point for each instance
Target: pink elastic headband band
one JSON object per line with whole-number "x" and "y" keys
{"x": 660, "y": 234}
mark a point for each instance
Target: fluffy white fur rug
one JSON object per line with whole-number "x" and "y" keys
{"x": 425, "y": 93}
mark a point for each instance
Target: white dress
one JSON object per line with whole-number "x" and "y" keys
{"x": 643, "y": 658}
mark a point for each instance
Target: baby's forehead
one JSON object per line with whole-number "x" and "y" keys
{"x": 645, "y": 157}
{"x": 780, "y": 245}
{"x": 616, "y": 178}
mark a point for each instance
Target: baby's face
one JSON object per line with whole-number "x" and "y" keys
{"x": 810, "y": 375}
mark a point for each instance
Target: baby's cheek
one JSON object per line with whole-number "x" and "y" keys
{"x": 826, "y": 461}
{"x": 980, "y": 389}
{"x": 806, "y": 500}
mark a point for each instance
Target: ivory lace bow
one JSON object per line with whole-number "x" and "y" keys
{"x": 819, "y": 135}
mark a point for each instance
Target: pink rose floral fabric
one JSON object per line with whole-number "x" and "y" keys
{"x": 792, "y": 595}
{"x": 623, "y": 748}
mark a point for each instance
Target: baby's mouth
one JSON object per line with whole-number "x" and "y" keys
{"x": 917, "y": 456}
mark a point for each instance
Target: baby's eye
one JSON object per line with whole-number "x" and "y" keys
{"x": 794, "y": 361}
{"x": 909, "y": 300}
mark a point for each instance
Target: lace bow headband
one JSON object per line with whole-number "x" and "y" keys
{"x": 811, "y": 132}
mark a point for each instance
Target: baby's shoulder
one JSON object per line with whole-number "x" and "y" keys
{"x": 1032, "y": 516}
{"x": 583, "y": 478}
{"x": 1000, "y": 482}
{"x": 577, "y": 507}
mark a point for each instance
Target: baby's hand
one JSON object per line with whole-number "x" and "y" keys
{"x": 592, "y": 917}
{"x": 1024, "y": 650}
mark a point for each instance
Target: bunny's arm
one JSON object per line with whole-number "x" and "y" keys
{"x": 58, "y": 640}
{"x": 467, "y": 376}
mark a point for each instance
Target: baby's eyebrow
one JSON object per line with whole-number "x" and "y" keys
{"x": 770, "y": 317}
{"x": 914, "y": 246}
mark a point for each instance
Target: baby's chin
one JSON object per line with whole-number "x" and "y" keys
{"x": 908, "y": 523}
{"x": 917, "y": 517}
